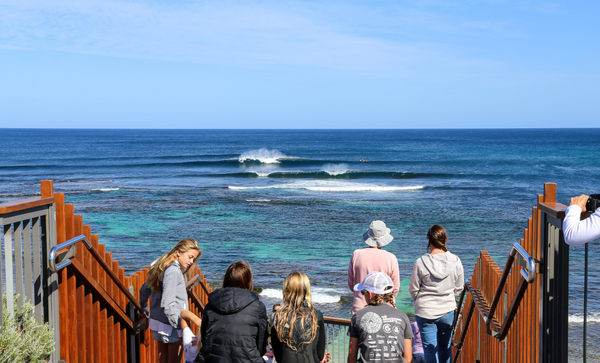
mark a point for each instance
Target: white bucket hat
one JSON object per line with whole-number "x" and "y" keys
{"x": 378, "y": 235}
{"x": 376, "y": 282}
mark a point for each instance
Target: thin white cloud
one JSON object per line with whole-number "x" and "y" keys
{"x": 351, "y": 37}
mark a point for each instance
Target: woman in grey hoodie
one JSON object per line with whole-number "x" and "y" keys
{"x": 437, "y": 280}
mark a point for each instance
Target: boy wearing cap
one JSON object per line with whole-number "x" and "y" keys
{"x": 381, "y": 331}
{"x": 373, "y": 258}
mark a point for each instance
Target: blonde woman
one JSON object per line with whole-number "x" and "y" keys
{"x": 298, "y": 332}
{"x": 166, "y": 286}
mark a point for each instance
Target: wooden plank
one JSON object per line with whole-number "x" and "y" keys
{"x": 77, "y": 229}
{"x": 80, "y": 319}
{"x": 549, "y": 192}
{"x": 103, "y": 344}
{"x": 557, "y": 210}
{"x": 117, "y": 326}
{"x": 26, "y": 203}
{"x": 124, "y": 302}
{"x": 95, "y": 309}
{"x": 72, "y": 323}
{"x": 86, "y": 230}
{"x": 69, "y": 211}
{"x": 60, "y": 218}
{"x": 63, "y": 289}
{"x": 47, "y": 187}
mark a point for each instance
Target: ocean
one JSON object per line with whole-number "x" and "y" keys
{"x": 299, "y": 200}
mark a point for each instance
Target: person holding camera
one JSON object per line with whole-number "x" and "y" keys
{"x": 577, "y": 231}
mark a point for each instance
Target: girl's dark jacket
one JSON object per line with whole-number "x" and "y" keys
{"x": 234, "y": 327}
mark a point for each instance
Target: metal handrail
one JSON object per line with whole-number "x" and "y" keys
{"x": 93, "y": 252}
{"x": 62, "y": 246}
{"x": 523, "y": 259}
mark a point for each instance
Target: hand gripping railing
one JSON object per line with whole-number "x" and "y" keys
{"x": 528, "y": 273}
{"x": 69, "y": 244}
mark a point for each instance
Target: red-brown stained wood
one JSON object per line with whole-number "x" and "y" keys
{"x": 69, "y": 221}
{"x": 63, "y": 299}
{"x": 59, "y": 200}
{"x": 22, "y": 204}
{"x": 47, "y": 187}
{"x": 96, "y": 336}
{"x": 71, "y": 323}
{"x": 124, "y": 302}
{"x": 87, "y": 263}
{"x": 103, "y": 356}
{"x": 549, "y": 192}
{"x": 117, "y": 326}
{"x": 72, "y": 287}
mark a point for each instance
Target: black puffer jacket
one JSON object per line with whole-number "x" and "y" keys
{"x": 234, "y": 327}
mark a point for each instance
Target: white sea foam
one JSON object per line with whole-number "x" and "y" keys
{"x": 335, "y": 169}
{"x": 263, "y": 155}
{"x": 105, "y": 189}
{"x": 592, "y": 317}
{"x": 319, "y": 295}
{"x": 258, "y": 200}
{"x": 261, "y": 174}
{"x": 333, "y": 186}
{"x": 363, "y": 188}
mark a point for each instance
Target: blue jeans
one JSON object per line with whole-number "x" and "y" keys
{"x": 435, "y": 335}
{"x": 418, "y": 358}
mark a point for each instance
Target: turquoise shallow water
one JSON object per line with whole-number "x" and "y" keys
{"x": 304, "y": 202}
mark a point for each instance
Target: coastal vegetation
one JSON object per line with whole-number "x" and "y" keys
{"x": 22, "y": 339}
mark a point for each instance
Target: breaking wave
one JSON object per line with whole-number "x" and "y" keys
{"x": 319, "y": 295}
{"x": 334, "y": 187}
{"x": 592, "y": 317}
{"x": 264, "y": 155}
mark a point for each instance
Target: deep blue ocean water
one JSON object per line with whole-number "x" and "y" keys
{"x": 300, "y": 199}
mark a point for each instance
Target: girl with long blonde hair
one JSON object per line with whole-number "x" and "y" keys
{"x": 298, "y": 332}
{"x": 169, "y": 300}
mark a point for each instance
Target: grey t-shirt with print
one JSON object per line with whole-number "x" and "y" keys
{"x": 381, "y": 331}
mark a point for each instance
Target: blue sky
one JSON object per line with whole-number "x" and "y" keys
{"x": 299, "y": 64}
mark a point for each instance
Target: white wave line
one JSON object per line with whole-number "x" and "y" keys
{"x": 263, "y": 155}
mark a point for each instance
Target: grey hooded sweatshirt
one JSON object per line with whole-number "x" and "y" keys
{"x": 437, "y": 280}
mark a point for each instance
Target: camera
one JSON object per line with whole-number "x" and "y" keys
{"x": 593, "y": 203}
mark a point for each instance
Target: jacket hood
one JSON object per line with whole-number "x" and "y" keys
{"x": 440, "y": 265}
{"x": 230, "y": 300}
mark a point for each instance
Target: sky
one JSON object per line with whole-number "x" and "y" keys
{"x": 294, "y": 64}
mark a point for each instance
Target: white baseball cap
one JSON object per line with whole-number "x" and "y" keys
{"x": 376, "y": 282}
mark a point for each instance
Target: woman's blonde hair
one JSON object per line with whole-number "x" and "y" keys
{"x": 297, "y": 303}
{"x": 160, "y": 265}
{"x": 378, "y": 299}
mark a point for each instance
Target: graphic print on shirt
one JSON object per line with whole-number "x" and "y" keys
{"x": 371, "y": 322}
{"x": 384, "y": 336}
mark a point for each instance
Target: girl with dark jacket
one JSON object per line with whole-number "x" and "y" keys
{"x": 234, "y": 322}
{"x": 298, "y": 332}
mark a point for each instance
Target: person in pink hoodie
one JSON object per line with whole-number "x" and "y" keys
{"x": 372, "y": 258}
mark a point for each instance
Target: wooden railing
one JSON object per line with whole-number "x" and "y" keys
{"x": 537, "y": 329}
{"x": 97, "y": 319}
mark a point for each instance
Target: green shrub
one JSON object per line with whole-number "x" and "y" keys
{"x": 22, "y": 339}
